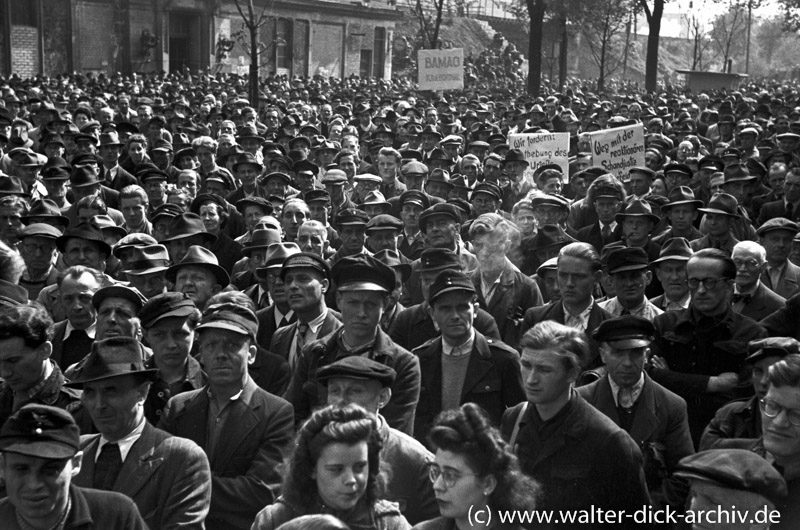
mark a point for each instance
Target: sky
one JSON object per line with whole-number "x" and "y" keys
{"x": 673, "y": 21}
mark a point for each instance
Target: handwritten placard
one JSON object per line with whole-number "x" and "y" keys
{"x": 618, "y": 150}
{"x": 543, "y": 148}
{"x": 441, "y": 69}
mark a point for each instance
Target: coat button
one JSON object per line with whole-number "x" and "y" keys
{"x": 487, "y": 387}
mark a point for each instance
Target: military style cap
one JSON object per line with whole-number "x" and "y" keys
{"x": 113, "y": 357}
{"x": 738, "y": 469}
{"x": 357, "y": 367}
{"x": 352, "y": 217}
{"x": 413, "y": 197}
{"x": 316, "y": 195}
{"x": 489, "y": 188}
{"x": 41, "y": 431}
{"x": 434, "y": 259}
{"x": 448, "y": 210}
{"x": 130, "y": 294}
{"x": 557, "y": 201}
{"x": 777, "y": 223}
{"x": 449, "y": 281}
{"x": 607, "y": 191}
{"x": 166, "y": 305}
{"x": 306, "y": 260}
{"x": 625, "y": 332}
{"x": 682, "y": 169}
{"x": 231, "y": 317}
{"x": 627, "y": 259}
{"x": 363, "y": 273}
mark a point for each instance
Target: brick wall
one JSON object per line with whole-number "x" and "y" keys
{"x": 25, "y": 52}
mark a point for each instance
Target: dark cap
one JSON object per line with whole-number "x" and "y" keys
{"x": 113, "y": 357}
{"x": 86, "y": 232}
{"x": 722, "y": 204}
{"x": 306, "y": 260}
{"x": 489, "y": 188}
{"x": 627, "y": 259}
{"x": 436, "y": 259}
{"x": 352, "y": 217}
{"x": 449, "y": 281}
{"x": 393, "y": 259}
{"x": 777, "y": 223}
{"x": 676, "y": 248}
{"x": 384, "y": 222}
{"x": 130, "y": 294}
{"x": 625, "y": 332}
{"x": 772, "y": 347}
{"x": 166, "y": 305}
{"x": 363, "y": 273}
{"x": 231, "y": 317}
{"x": 41, "y": 431}
{"x": 556, "y": 201}
{"x": 442, "y": 208}
{"x": 737, "y": 469}
{"x": 413, "y": 197}
{"x": 357, "y": 367}
{"x": 40, "y": 230}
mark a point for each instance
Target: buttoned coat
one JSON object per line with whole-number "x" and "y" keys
{"x": 492, "y": 380}
{"x": 166, "y": 476}
{"x": 245, "y": 460}
{"x": 788, "y": 283}
{"x": 414, "y": 326}
{"x": 515, "y": 294}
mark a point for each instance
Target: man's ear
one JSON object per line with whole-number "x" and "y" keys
{"x": 325, "y": 285}
{"x": 77, "y": 460}
{"x": 385, "y": 397}
{"x": 251, "y": 354}
{"x": 44, "y": 350}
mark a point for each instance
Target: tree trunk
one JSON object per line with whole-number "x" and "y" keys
{"x": 536, "y": 9}
{"x": 435, "y": 37}
{"x": 562, "y": 53}
{"x": 601, "y": 81}
{"x": 654, "y": 25}
{"x": 254, "y": 67}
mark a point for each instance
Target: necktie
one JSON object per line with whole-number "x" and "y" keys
{"x": 774, "y": 277}
{"x": 284, "y": 322}
{"x": 625, "y": 398}
{"x": 737, "y": 297}
{"x": 625, "y": 312}
{"x": 789, "y": 211}
{"x": 300, "y": 341}
{"x": 107, "y": 467}
{"x": 605, "y": 233}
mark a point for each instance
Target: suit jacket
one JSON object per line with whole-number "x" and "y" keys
{"x": 555, "y": 311}
{"x": 414, "y": 326}
{"x": 61, "y": 356}
{"x": 516, "y": 294}
{"x": 282, "y": 339}
{"x": 166, "y": 476}
{"x": 121, "y": 179}
{"x": 592, "y": 234}
{"x": 244, "y": 463}
{"x": 775, "y": 209}
{"x": 267, "y": 326}
{"x": 788, "y": 283}
{"x": 492, "y": 380}
{"x": 763, "y": 303}
{"x": 660, "y": 418}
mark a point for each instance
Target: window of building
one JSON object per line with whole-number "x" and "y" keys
{"x": 379, "y": 53}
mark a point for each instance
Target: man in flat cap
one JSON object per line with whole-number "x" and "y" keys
{"x": 306, "y": 279}
{"x": 653, "y": 416}
{"x": 726, "y": 484}
{"x": 629, "y": 272}
{"x": 40, "y": 455}
{"x": 363, "y": 287}
{"x": 167, "y": 477}
{"x": 368, "y": 383}
{"x": 244, "y": 430}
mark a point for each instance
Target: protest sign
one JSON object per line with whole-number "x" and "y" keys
{"x": 441, "y": 69}
{"x": 543, "y": 148}
{"x": 618, "y": 150}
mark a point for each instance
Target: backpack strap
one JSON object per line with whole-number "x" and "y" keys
{"x": 513, "y": 439}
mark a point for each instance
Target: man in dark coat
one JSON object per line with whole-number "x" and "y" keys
{"x": 40, "y": 448}
{"x": 751, "y": 297}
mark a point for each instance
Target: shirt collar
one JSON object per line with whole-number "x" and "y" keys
{"x": 683, "y": 303}
{"x": 461, "y": 349}
{"x": 572, "y": 320}
{"x": 90, "y": 331}
{"x": 315, "y": 324}
{"x": 636, "y": 391}
{"x": 280, "y": 316}
{"x": 125, "y": 443}
{"x": 751, "y": 291}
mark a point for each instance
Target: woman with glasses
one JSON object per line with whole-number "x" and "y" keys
{"x": 475, "y": 475}
{"x": 335, "y": 469}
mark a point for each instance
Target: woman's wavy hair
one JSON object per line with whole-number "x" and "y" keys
{"x": 347, "y": 424}
{"x": 467, "y": 431}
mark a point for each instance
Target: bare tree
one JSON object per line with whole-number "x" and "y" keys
{"x": 699, "y": 37}
{"x": 728, "y": 31}
{"x": 604, "y": 21}
{"x": 252, "y": 23}
{"x": 429, "y": 29}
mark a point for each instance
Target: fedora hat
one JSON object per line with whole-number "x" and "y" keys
{"x": 248, "y": 132}
{"x": 186, "y": 225}
{"x": 737, "y": 173}
{"x": 12, "y": 186}
{"x": 45, "y": 209}
{"x": 106, "y": 223}
{"x": 681, "y": 195}
{"x": 722, "y": 204}
{"x": 637, "y": 208}
{"x": 515, "y": 155}
{"x": 147, "y": 259}
{"x": 247, "y": 158}
{"x": 277, "y": 253}
{"x": 676, "y": 248}
{"x": 377, "y": 198}
{"x": 113, "y": 357}
{"x": 198, "y": 256}
{"x": 262, "y": 238}
{"x": 393, "y": 260}
{"x": 110, "y": 138}
{"x": 87, "y": 232}
{"x": 82, "y": 176}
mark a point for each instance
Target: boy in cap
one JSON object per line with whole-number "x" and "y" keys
{"x": 243, "y": 429}
{"x": 363, "y": 288}
{"x": 40, "y": 448}
{"x": 368, "y": 383}
{"x": 653, "y": 416}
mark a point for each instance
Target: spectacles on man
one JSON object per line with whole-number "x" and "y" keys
{"x": 771, "y": 409}
{"x": 708, "y": 283}
{"x": 449, "y": 476}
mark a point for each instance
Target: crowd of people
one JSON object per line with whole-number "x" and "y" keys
{"x": 350, "y": 304}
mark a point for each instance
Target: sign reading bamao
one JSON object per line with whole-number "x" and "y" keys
{"x": 618, "y": 150}
{"x": 543, "y": 148}
{"x": 441, "y": 69}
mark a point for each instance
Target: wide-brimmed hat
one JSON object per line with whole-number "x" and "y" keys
{"x": 45, "y": 209}
{"x": 113, "y": 357}
{"x": 627, "y": 259}
{"x": 637, "y": 208}
{"x": 261, "y": 238}
{"x": 110, "y": 138}
{"x": 147, "y": 259}
{"x": 198, "y": 256}
{"x": 277, "y": 253}
{"x": 248, "y": 132}
{"x": 676, "y": 248}
{"x": 722, "y": 204}
{"x": 247, "y": 158}
{"x": 681, "y": 195}
{"x": 186, "y": 225}
{"x": 106, "y": 224}
{"x": 375, "y": 197}
{"x": 737, "y": 173}
{"x": 82, "y": 176}
{"x": 86, "y": 232}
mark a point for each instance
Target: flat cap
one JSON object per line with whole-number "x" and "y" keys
{"x": 772, "y": 347}
{"x": 306, "y": 260}
{"x": 130, "y": 294}
{"x": 442, "y": 208}
{"x": 556, "y": 201}
{"x": 777, "y": 223}
{"x": 414, "y": 168}
{"x": 737, "y": 469}
{"x": 41, "y": 431}
{"x": 449, "y": 281}
{"x": 625, "y": 332}
{"x": 166, "y": 305}
{"x": 357, "y": 367}
{"x": 434, "y": 259}
{"x": 627, "y": 259}
{"x": 363, "y": 273}
{"x": 231, "y": 317}
{"x": 384, "y": 222}
{"x": 334, "y": 176}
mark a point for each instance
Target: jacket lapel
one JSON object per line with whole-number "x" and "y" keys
{"x": 192, "y": 420}
{"x": 85, "y": 478}
{"x": 140, "y": 464}
{"x": 603, "y": 399}
{"x": 480, "y": 363}
{"x": 645, "y": 421}
{"x": 240, "y": 422}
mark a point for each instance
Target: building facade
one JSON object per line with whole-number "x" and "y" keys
{"x": 337, "y": 38}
